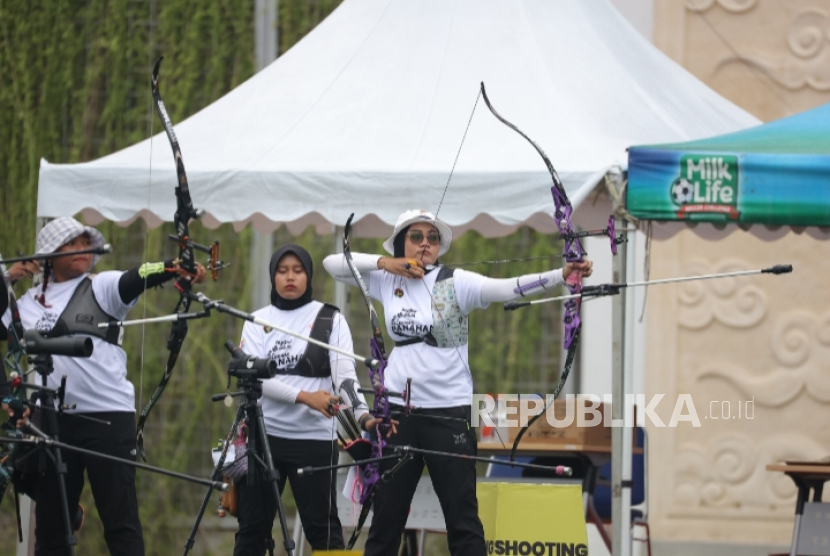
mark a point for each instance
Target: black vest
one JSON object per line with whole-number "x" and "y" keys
{"x": 315, "y": 362}
{"x": 82, "y": 316}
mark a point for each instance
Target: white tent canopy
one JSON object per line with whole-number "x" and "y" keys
{"x": 367, "y": 113}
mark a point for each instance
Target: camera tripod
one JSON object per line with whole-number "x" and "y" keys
{"x": 260, "y": 462}
{"x": 44, "y": 366}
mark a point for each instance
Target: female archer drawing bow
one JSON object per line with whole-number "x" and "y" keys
{"x": 71, "y": 302}
{"x": 431, "y": 348}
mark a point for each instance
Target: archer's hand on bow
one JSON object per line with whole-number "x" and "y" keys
{"x": 21, "y": 270}
{"x": 21, "y": 417}
{"x": 408, "y": 268}
{"x": 321, "y": 401}
{"x": 586, "y": 266}
{"x": 370, "y": 423}
{"x": 197, "y": 278}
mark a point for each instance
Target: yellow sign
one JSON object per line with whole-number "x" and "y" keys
{"x": 524, "y": 519}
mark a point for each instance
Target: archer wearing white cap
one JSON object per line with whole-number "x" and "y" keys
{"x": 72, "y": 302}
{"x": 426, "y": 307}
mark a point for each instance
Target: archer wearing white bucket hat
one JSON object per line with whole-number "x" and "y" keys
{"x": 72, "y": 302}
{"x": 56, "y": 233}
{"x": 410, "y": 217}
{"x": 426, "y": 308}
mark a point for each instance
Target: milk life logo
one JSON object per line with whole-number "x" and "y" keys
{"x": 708, "y": 184}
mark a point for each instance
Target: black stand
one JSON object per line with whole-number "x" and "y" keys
{"x": 215, "y": 475}
{"x": 260, "y": 462}
{"x": 44, "y": 366}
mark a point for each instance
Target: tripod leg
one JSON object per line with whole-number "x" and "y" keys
{"x": 215, "y": 476}
{"x": 272, "y": 475}
{"x": 17, "y": 514}
{"x": 60, "y": 468}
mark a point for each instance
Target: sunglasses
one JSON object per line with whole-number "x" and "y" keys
{"x": 416, "y": 237}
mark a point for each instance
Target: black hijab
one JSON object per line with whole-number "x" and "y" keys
{"x": 291, "y": 304}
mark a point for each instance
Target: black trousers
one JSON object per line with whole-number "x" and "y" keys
{"x": 315, "y": 496}
{"x": 113, "y": 485}
{"x": 454, "y": 480}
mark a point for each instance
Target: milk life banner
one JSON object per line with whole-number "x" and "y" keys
{"x": 729, "y": 187}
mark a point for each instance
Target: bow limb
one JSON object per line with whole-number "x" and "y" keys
{"x": 14, "y": 354}
{"x": 184, "y": 213}
{"x": 573, "y": 252}
{"x": 15, "y": 339}
{"x": 380, "y": 409}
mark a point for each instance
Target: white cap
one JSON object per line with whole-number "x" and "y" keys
{"x": 411, "y": 217}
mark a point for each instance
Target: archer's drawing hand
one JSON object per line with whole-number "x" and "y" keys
{"x": 408, "y": 268}
{"x": 320, "y": 400}
{"x": 586, "y": 266}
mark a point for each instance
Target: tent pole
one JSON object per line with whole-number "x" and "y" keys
{"x": 262, "y": 244}
{"x": 619, "y": 494}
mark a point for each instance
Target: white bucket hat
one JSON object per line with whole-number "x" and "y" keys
{"x": 61, "y": 230}
{"x": 413, "y": 216}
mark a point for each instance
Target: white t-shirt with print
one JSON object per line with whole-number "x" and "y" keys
{"x": 440, "y": 376}
{"x": 284, "y": 418}
{"x": 95, "y": 384}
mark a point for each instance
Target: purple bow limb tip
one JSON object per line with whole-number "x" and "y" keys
{"x": 530, "y": 286}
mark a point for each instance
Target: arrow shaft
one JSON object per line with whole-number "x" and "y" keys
{"x": 107, "y": 248}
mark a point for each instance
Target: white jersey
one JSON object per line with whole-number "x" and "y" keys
{"x": 98, "y": 383}
{"x": 283, "y": 417}
{"x": 440, "y": 375}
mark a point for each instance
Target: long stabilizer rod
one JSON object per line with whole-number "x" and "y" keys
{"x": 36, "y": 440}
{"x": 613, "y": 289}
{"x": 233, "y": 311}
{"x": 404, "y": 451}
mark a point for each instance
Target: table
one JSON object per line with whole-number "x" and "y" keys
{"x": 806, "y": 477}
